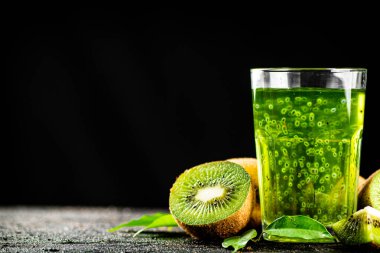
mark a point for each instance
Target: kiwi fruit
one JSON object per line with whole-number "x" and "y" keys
{"x": 212, "y": 200}
{"x": 363, "y": 227}
{"x": 369, "y": 195}
{"x": 250, "y": 165}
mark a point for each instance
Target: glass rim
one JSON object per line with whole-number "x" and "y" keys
{"x": 290, "y": 69}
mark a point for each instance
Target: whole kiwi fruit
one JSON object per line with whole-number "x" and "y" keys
{"x": 250, "y": 165}
{"x": 212, "y": 200}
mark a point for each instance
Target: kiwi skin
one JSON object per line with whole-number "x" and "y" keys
{"x": 361, "y": 183}
{"x": 250, "y": 165}
{"x": 366, "y": 193}
{"x": 225, "y": 228}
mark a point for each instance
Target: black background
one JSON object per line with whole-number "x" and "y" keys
{"x": 108, "y": 107}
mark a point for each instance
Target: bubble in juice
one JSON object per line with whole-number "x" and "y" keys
{"x": 308, "y": 145}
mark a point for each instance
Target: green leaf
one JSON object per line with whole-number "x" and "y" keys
{"x": 239, "y": 242}
{"x": 299, "y": 227}
{"x": 149, "y": 221}
{"x": 163, "y": 221}
{"x": 144, "y": 220}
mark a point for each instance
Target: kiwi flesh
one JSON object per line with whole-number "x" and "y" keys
{"x": 250, "y": 165}
{"x": 363, "y": 227}
{"x": 212, "y": 200}
{"x": 369, "y": 195}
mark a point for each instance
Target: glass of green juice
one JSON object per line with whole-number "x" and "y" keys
{"x": 308, "y": 130}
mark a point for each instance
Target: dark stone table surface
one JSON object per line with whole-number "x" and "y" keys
{"x": 83, "y": 229}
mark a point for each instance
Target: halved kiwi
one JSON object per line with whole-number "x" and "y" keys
{"x": 369, "y": 195}
{"x": 212, "y": 200}
{"x": 250, "y": 165}
{"x": 363, "y": 227}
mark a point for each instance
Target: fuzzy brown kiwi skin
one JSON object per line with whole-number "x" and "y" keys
{"x": 225, "y": 228}
{"x": 364, "y": 194}
{"x": 361, "y": 183}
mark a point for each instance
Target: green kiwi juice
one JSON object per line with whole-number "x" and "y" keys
{"x": 308, "y": 146}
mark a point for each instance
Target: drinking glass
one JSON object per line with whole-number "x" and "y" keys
{"x": 308, "y": 130}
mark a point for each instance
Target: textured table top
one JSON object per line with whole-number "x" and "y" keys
{"x": 75, "y": 229}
